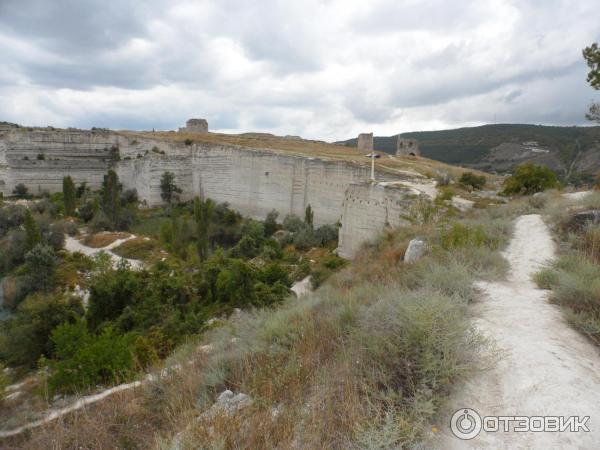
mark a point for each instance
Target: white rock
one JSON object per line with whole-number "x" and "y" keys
{"x": 417, "y": 248}
{"x": 302, "y": 287}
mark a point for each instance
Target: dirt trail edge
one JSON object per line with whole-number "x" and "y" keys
{"x": 547, "y": 368}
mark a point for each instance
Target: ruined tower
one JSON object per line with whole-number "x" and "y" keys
{"x": 195, "y": 126}
{"x": 365, "y": 142}
{"x": 407, "y": 147}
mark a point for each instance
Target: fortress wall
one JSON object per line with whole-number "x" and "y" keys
{"x": 368, "y": 209}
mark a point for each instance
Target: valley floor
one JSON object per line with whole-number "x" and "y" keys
{"x": 545, "y": 367}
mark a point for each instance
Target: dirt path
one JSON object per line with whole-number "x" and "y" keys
{"x": 547, "y": 368}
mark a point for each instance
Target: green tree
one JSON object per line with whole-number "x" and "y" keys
{"x": 111, "y": 196}
{"x": 168, "y": 187}
{"x": 69, "y": 195}
{"x": 26, "y": 335}
{"x": 309, "y": 216}
{"x": 271, "y": 223}
{"x": 21, "y": 191}
{"x": 529, "y": 179}
{"x": 33, "y": 235}
{"x": 472, "y": 180}
{"x": 40, "y": 262}
{"x": 203, "y": 212}
{"x": 592, "y": 57}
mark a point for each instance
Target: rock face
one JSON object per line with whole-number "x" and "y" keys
{"x": 253, "y": 181}
{"x": 417, "y": 248}
{"x": 365, "y": 142}
{"x": 407, "y": 147}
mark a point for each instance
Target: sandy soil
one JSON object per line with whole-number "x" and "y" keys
{"x": 546, "y": 368}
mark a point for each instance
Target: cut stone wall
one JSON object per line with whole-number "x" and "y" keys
{"x": 368, "y": 210}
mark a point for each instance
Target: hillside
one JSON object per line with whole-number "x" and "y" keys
{"x": 573, "y": 152}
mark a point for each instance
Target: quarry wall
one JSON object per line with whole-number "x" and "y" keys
{"x": 369, "y": 209}
{"x": 253, "y": 181}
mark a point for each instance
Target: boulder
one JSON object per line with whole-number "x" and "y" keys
{"x": 579, "y": 220}
{"x": 417, "y": 248}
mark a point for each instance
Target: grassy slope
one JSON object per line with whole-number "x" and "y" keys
{"x": 363, "y": 363}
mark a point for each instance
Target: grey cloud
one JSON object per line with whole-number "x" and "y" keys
{"x": 320, "y": 68}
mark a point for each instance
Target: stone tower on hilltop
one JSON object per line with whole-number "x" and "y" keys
{"x": 195, "y": 126}
{"x": 365, "y": 142}
{"x": 407, "y": 147}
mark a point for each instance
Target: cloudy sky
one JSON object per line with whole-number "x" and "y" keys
{"x": 323, "y": 69}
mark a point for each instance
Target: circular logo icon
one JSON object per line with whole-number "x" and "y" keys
{"x": 465, "y": 423}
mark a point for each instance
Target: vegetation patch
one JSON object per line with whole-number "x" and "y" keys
{"x": 141, "y": 248}
{"x": 101, "y": 240}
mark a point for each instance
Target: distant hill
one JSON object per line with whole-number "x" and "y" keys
{"x": 573, "y": 152}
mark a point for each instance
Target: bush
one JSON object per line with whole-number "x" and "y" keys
{"x": 40, "y": 263}
{"x": 26, "y": 336}
{"x": 529, "y": 179}
{"x": 326, "y": 233}
{"x": 292, "y": 223}
{"x": 21, "y": 191}
{"x": 461, "y": 235}
{"x": 129, "y": 197}
{"x": 84, "y": 359}
{"x": 474, "y": 181}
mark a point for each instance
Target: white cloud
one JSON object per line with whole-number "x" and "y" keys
{"x": 324, "y": 69}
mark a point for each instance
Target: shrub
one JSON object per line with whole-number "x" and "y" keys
{"x": 26, "y": 335}
{"x": 472, "y": 180}
{"x": 292, "y": 223}
{"x": 40, "y": 263}
{"x": 83, "y": 359}
{"x": 461, "y": 235}
{"x": 41, "y": 157}
{"x": 326, "y": 233}
{"x": 529, "y": 179}
{"x": 21, "y": 191}
{"x": 271, "y": 223}
{"x": 129, "y": 197}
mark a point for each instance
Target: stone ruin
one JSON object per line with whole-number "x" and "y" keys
{"x": 195, "y": 126}
{"x": 365, "y": 142}
{"x": 407, "y": 147}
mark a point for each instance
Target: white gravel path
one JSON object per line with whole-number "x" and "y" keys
{"x": 547, "y": 368}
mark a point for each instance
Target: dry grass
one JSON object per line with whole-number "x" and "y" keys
{"x": 101, "y": 240}
{"x": 141, "y": 248}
